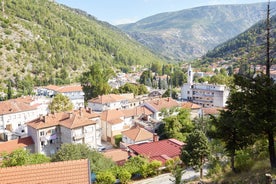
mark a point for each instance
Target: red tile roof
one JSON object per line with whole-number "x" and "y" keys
{"x": 108, "y": 99}
{"x": 74, "y": 171}
{"x": 13, "y": 106}
{"x": 159, "y": 150}
{"x": 160, "y": 103}
{"x": 12, "y": 145}
{"x": 138, "y": 134}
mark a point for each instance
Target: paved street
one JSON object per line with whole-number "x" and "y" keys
{"x": 189, "y": 174}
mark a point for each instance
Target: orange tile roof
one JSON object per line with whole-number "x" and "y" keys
{"x": 13, "y": 106}
{"x": 74, "y": 121}
{"x": 107, "y": 99}
{"x": 72, "y": 88}
{"x": 138, "y": 134}
{"x": 74, "y": 171}
{"x": 64, "y": 89}
{"x": 160, "y": 103}
{"x": 70, "y": 120}
{"x": 12, "y": 145}
{"x": 137, "y": 111}
{"x": 190, "y": 105}
{"x": 211, "y": 110}
{"x": 119, "y": 156}
{"x": 109, "y": 115}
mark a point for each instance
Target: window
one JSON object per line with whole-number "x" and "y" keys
{"x": 42, "y": 143}
{"x": 41, "y": 133}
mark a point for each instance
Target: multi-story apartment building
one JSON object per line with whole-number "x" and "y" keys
{"x": 207, "y": 95}
{"x": 51, "y": 131}
{"x": 13, "y": 116}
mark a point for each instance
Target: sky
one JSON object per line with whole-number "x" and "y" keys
{"x": 127, "y": 11}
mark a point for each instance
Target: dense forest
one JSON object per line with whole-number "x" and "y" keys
{"x": 46, "y": 42}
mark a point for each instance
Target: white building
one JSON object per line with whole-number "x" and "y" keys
{"x": 109, "y": 102}
{"x": 14, "y": 114}
{"x": 73, "y": 92}
{"x": 207, "y": 95}
{"x": 51, "y": 131}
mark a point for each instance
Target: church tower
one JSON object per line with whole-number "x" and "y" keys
{"x": 190, "y": 75}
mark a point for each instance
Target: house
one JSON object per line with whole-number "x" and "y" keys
{"x": 194, "y": 109}
{"x": 12, "y": 145}
{"x": 113, "y": 123}
{"x": 109, "y": 102}
{"x": 158, "y": 150}
{"x": 73, "y": 92}
{"x": 158, "y": 105}
{"x": 116, "y": 121}
{"x": 73, "y": 171}
{"x": 206, "y": 95}
{"x": 13, "y": 117}
{"x": 136, "y": 135}
{"x": 51, "y": 131}
{"x": 119, "y": 156}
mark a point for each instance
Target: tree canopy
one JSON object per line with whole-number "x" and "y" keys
{"x": 60, "y": 103}
{"x": 95, "y": 81}
{"x": 196, "y": 150}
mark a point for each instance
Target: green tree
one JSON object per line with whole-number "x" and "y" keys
{"x": 168, "y": 93}
{"x": 176, "y": 126}
{"x": 81, "y": 151}
{"x": 95, "y": 81}
{"x": 21, "y": 157}
{"x": 71, "y": 152}
{"x": 9, "y": 93}
{"x": 60, "y": 103}
{"x": 123, "y": 175}
{"x": 229, "y": 127}
{"x": 146, "y": 78}
{"x": 258, "y": 99}
{"x": 196, "y": 151}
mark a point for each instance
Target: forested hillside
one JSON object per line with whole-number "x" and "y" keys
{"x": 45, "y": 42}
{"x": 247, "y": 48}
{"x": 190, "y": 33}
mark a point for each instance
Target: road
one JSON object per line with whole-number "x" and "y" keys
{"x": 189, "y": 174}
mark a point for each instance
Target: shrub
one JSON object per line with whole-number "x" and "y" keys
{"x": 105, "y": 177}
{"x": 243, "y": 161}
{"x": 124, "y": 176}
{"x": 118, "y": 139}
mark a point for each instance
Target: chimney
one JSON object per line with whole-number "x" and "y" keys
{"x": 70, "y": 115}
{"x": 155, "y": 137}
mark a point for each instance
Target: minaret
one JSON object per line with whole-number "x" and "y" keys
{"x": 190, "y": 75}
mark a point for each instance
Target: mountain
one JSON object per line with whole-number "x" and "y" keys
{"x": 48, "y": 41}
{"x": 247, "y": 47}
{"x": 190, "y": 33}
